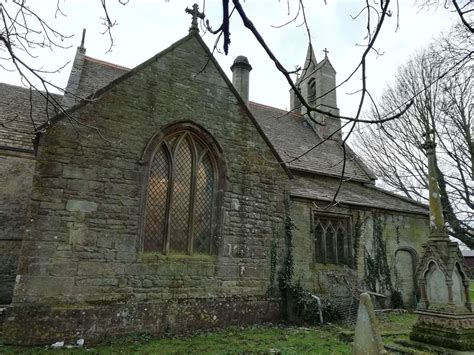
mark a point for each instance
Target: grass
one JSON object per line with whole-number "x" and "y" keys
{"x": 233, "y": 340}
{"x": 393, "y": 325}
{"x": 471, "y": 290}
{"x": 393, "y": 322}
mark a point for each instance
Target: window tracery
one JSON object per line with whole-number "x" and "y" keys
{"x": 332, "y": 240}
{"x": 182, "y": 183}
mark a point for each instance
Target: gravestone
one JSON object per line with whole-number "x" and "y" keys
{"x": 405, "y": 273}
{"x": 367, "y": 339}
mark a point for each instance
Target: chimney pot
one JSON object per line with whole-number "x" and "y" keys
{"x": 240, "y": 76}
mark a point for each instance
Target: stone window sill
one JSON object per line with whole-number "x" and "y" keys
{"x": 320, "y": 267}
{"x": 156, "y": 257}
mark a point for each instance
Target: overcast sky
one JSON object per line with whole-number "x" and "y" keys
{"x": 145, "y": 27}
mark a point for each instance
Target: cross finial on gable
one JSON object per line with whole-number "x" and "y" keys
{"x": 194, "y": 12}
{"x": 325, "y": 52}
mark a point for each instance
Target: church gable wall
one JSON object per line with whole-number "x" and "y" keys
{"x": 83, "y": 247}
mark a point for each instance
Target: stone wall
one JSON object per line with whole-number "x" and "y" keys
{"x": 16, "y": 171}
{"x": 373, "y": 231}
{"x": 96, "y": 322}
{"x": 82, "y": 251}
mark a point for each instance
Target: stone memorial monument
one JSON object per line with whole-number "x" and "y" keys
{"x": 444, "y": 310}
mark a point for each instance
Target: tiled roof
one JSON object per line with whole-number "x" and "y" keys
{"x": 96, "y": 74}
{"x": 353, "y": 193}
{"x": 17, "y": 123}
{"x": 16, "y": 127}
{"x": 293, "y": 137}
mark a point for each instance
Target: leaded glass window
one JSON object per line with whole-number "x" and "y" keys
{"x": 332, "y": 240}
{"x": 331, "y": 255}
{"x": 181, "y": 190}
{"x": 156, "y": 200}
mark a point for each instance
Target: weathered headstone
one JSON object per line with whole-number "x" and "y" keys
{"x": 367, "y": 339}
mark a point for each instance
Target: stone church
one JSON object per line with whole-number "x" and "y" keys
{"x": 157, "y": 202}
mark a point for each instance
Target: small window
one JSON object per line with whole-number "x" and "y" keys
{"x": 181, "y": 196}
{"x": 332, "y": 240}
{"x": 312, "y": 91}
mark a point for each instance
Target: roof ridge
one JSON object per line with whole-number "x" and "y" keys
{"x": 95, "y": 60}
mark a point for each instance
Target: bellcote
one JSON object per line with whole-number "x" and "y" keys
{"x": 317, "y": 84}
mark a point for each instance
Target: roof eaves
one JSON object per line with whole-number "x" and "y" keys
{"x": 16, "y": 149}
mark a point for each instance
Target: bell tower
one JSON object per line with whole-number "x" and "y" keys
{"x": 317, "y": 84}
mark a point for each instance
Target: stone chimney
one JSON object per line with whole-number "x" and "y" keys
{"x": 69, "y": 98}
{"x": 240, "y": 76}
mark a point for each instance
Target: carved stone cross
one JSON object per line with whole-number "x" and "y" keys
{"x": 194, "y": 12}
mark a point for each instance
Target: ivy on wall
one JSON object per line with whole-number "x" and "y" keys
{"x": 274, "y": 247}
{"x": 285, "y": 277}
{"x": 297, "y": 302}
{"x": 358, "y": 223}
{"x": 377, "y": 275}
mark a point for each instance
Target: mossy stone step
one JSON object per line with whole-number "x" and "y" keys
{"x": 347, "y": 336}
{"x": 429, "y": 349}
{"x": 394, "y": 348}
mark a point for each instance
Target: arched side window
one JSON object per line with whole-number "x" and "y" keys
{"x": 332, "y": 239}
{"x": 182, "y": 194}
{"x": 311, "y": 91}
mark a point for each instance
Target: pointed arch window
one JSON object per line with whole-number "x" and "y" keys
{"x": 312, "y": 91}
{"x": 332, "y": 239}
{"x": 181, "y": 195}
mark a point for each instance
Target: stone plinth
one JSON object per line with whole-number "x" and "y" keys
{"x": 445, "y": 315}
{"x": 447, "y": 330}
